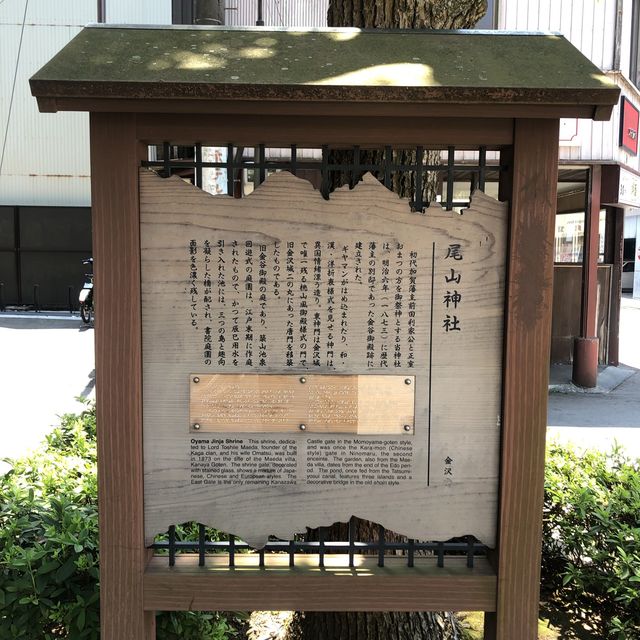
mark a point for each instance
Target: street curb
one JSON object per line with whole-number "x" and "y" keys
{"x": 608, "y": 380}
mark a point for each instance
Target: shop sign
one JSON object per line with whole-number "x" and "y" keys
{"x": 629, "y": 188}
{"x": 629, "y": 118}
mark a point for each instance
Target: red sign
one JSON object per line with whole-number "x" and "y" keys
{"x": 629, "y": 118}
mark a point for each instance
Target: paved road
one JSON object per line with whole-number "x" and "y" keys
{"x": 596, "y": 420}
{"x": 47, "y": 361}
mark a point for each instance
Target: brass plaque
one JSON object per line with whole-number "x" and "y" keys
{"x": 263, "y": 403}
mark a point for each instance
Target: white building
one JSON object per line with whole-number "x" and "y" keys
{"x": 44, "y": 160}
{"x": 45, "y": 194}
{"x": 607, "y": 32}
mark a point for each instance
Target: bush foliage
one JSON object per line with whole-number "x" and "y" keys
{"x": 591, "y": 540}
{"x": 49, "y": 543}
{"x": 49, "y": 546}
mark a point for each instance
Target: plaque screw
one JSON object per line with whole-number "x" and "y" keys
{"x": 196, "y": 379}
{"x": 303, "y": 427}
{"x": 407, "y": 427}
{"x": 407, "y": 380}
{"x": 196, "y": 426}
{"x": 303, "y": 380}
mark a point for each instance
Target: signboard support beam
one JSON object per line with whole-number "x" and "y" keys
{"x": 115, "y": 156}
{"x": 526, "y": 375}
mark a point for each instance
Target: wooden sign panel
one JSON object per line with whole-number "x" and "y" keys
{"x": 393, "y": 318}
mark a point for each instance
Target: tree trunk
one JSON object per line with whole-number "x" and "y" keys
{"x": 403, "y": 14}
{"x": 406, "y": 14}
{"x": 372, "y": 626}
{"x": 390, "y": 14}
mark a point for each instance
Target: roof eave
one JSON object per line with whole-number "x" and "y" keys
{"x": 57, "y": 95}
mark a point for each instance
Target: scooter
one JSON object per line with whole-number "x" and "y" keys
{"x": 86, "y": 295}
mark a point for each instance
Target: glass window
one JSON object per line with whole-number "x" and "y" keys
{"x": 182, "y": 12}
{"x": 569, "y": 237}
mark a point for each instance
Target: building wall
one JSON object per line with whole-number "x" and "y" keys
{"x": 44, "y": 158}
{"x": 590, "y": 25}
{"x": 278, "y": 13}
{"x": 138, "y": 11}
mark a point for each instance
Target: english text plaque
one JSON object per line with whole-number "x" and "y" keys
{"x": 254, "y": 403}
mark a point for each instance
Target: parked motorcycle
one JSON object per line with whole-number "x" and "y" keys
{"x": 86, "y": 295}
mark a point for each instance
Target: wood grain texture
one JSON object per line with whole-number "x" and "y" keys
{"x": 310, "y": 129}
{"x": 307, "y": 588}
{"x": 528, "y": 329}
{"x": 116, "y": 250}
{"x": 254, "y": 403}
{"x": 450, "y": 485}
{"x": 374, "y": 128}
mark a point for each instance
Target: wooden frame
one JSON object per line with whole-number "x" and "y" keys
{"x": 116, "y": 247}
{"x": 132, "y": 588}
{"x": 405, "y": 127}
{"x": 526, "y": 378}
{"x": 392, "y": 588}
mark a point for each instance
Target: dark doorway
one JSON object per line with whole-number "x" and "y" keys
{"x": 41, "y": 252}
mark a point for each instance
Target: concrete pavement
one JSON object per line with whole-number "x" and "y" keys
{"x": 600, "y": 419}
{"x": 46, "y": 361}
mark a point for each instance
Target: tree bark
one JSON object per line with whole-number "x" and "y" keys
{"x": 406, "y": 14}
{"x": 390, "y": 14}
{"x": 403, "y": 14}
{"x": 369, "y": 626}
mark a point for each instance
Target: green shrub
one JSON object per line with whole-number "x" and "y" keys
{"x": 49, "y": 546}
{"x": 591, "y": 539}
{"x": 49, "y": 551}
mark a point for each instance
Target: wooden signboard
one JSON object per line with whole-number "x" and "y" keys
{"x": 307, "y": 360}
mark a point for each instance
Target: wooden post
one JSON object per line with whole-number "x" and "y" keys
{"x": 116, "y": 247}
{"x": 526, "y": 374}
{"x": 585, "y": 349}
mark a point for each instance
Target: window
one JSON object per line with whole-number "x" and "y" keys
{"x": 634, "y": 67}
{"x": 569, "y": 237}
{"x": 490, "y": 19}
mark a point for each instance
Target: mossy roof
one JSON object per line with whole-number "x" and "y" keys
{"x": 328, "y": 64}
